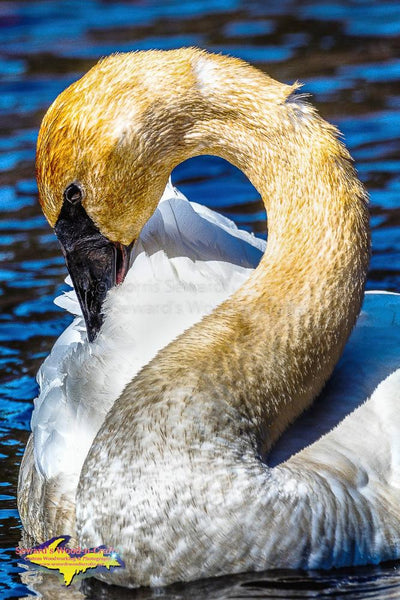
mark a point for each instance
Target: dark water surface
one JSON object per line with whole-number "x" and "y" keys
{"x": 346, "y": 52}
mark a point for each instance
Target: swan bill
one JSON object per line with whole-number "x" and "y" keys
{"x": 95, "y": 263}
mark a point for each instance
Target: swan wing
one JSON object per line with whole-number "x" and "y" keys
{"x": 371, "y": 355}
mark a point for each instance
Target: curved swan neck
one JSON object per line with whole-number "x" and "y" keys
{"x": 285, "y": 329}
{"x": 139, "y": 115}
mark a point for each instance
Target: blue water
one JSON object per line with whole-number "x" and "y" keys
{"x": 347, "y": 55}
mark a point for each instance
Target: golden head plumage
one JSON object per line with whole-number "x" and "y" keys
{"x": 121, "y": 129}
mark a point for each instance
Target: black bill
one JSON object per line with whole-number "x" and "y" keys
{"x": 94, "y": 263}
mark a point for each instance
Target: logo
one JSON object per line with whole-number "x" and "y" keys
{"x": 69, "y": 562}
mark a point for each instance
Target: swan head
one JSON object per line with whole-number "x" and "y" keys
{"x": 104, "y": 156}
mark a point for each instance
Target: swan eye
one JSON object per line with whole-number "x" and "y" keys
{"x": 73, "y": 193}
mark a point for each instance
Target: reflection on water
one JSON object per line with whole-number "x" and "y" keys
{"x": 346, "y": 53}
{"x": 381, "y": 582}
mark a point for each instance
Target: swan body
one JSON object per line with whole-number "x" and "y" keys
{"x": 172, "y": 436}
